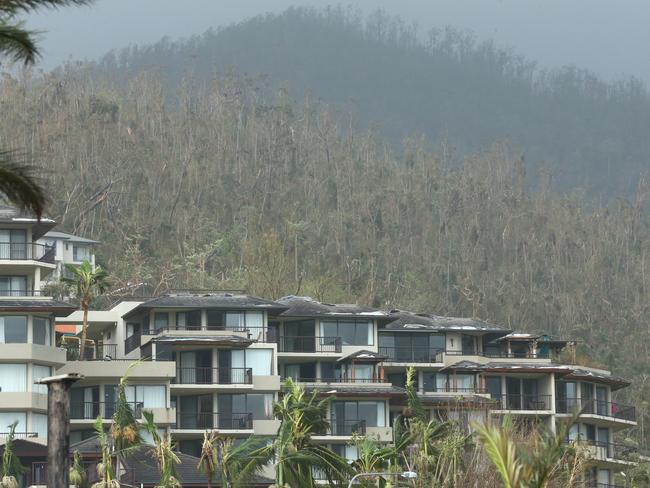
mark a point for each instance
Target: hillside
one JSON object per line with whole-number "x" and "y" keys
{"x": 447, "y": 87}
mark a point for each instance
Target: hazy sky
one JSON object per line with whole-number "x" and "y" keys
{"x": 606, "y": 36}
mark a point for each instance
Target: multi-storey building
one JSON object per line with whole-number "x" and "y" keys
{"x": 27, "y": 348}
{"x": 68, "y": 249}
{"x": 217, "y": 360}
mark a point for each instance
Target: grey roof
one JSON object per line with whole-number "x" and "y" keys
{"x": 526, "y": 367}
{"x": 308, "y": 307}
{"x": 365, "y": 355}
{"x": 144, "y": 464}
{"x": 61, "y": 309}
{"x": 602, "y": 377}
{"x": 68, "y": 237}
{"x": 409, "y": 321}
{"x": 12, "y": 215}
{"x": 456, "y": 399}
{"x": 356, "y": 390}
{"x": 216, "y": 300}
{"x": 464, "y": 366}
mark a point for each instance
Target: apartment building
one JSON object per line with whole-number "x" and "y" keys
{"x": 27, "y": 348}
{"x": 217, "y": 361}
{"x": 68, "y": 249}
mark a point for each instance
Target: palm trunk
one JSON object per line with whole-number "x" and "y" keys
{"x": 84, "y": 332}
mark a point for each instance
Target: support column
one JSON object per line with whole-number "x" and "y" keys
{"x": 58, "y": 427}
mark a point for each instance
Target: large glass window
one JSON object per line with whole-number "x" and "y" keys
{"x": 13, "y": 329}
{"x": 41, "y": 331}
{"x": 13, "y": 244}
{"x": 260, "y": 361}
{"x": 411, "y": 347}
{"x": 39, "y": 424}
{"x": 190, "y": 320}
{"x": 351, "y": 332}
{"x": 160, "y": 320}
{"x": 13, "y": 285}
{"x": 258, "y": 404}
{"x": 13, "y": 378}
{"x": 8, "y": 418}
{"x": 149, "y": 396}
{"x": 345, "y": 413}
{"x": 39, "y": 372}
{"x": 80, "y": 253}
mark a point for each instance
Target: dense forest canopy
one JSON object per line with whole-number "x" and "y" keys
{"x": 218, "y": 181}
{"x": 442, "y": 84}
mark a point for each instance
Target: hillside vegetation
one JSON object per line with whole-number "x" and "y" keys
{"x": 442, "y": 84}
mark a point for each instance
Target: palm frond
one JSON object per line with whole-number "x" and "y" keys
{"x": 17, "y": 43}
{"x": 502, "y": 452}
{"x": 18, "y": 182}
{"x": 12, "y": 7}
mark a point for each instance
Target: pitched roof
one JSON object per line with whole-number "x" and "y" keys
{"x": 12, "y": 215}
{"x": 364, "y": 355}
{"x": 308, "y": 307}
{"x": 410, "y": 321}
{"x": 616, "y": 382}
{"x": 211, "y": 340}
{"x": 54, "y": 234}
{"x": 361, "y": 389}
{"x": 216, "y": 300}
{"x": 58, "y": 308}
{"x": 463, "y": 366}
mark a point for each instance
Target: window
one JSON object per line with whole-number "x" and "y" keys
{"x": 80, "y": 253}
{"x": 13, "y": 378}
{"x": 351, "y": 332}
{"x": 13, "y": 285}
{"x": 411, "y": 347}
{"x": 160, "y": 320}
{"x": 39, "y": 424}
{"x": 347, "y": 413}
{"x": 41, "y": 331}
{"x": 8, "y": 418}
{"x": 190, "y": 320}
{"x": 363, "y": 372}
{"x": 13, "y": 244}
{"x": 493, "y": 385}
{"x": 149, "y": 396}
{"x": 259, "y": 360}
{"x": 239, "y": 320}
{"x": 434, "y": 381}
{"x": 258, "y": 404}
{"x": 301, "y": 371}
{"x": 13, "y": 329}
{"x": 39, "y": 372}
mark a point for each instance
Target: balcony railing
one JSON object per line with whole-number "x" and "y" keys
{"x": 602, "y": 451}
{"x": 214, "y": 420}
{"x": 348, "y": 427}
{"x": 596, "y": 407}
{"x": 523, "y": 402}
{"x": 97, "y": 352}
{"x": 457, "y": 389}
{"x": 22, "y": 293}
{"x": 213, "y": 376}
{"x": 19, "y": 435}
{"x": 92, "y": 410}
{"x": 411, "y": 354}
{"x": 131, "y": 343}
{"x": 496, "y": 354}
{"x": 26, "y": 251}
{"x": 309, "y": 344}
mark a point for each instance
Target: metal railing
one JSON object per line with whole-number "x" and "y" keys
{"x": 19, "y": 435}
{"x": 132, "y": 342}
{"x": 523, "y": 402}
{"x": 214, "y": 420}
{"x": 213, "y": 376}
{"x": 347, "y": 427}
{"x": 92, "y": 410}
{"x": 602, "y": 451}
{"x": 457, "y": 389}
{"x": 411, "y": 354}
{"x": 97, "y": 352}
{"x": 22, "y": 293}
{"x": 309, "y": 344}
{"x": 596, "y": 407}
{"x": 27, "y": 251}
{"x": 38, "y": 474}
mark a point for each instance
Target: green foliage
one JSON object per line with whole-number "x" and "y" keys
{"x": 105, "y": 469}
{"x": 11, "y": 469}
{"x": 124, "y": 426}
{"x": 78, "y": 476}
{"x": 163, "y": 453}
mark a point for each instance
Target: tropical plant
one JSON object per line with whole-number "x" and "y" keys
{"x": 297, "y": 457}
{"x": 105, "y": 471}
{"x": 89, "y": 282}
{"x": 78, "y": 476}
{"x": 163, "y": 453}
{"x": 11, "y": 469}
{"x": 374, "y": 457}
{"x": 125, "y": 430}
{"x": 532, "y": 462}
{"x": 239, "y": 462}
{"x": 208, "y": 460}
{"x": 18, "y": 181}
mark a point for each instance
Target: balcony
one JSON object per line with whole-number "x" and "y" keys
{"x": 214, "y": 420}
{"x": 97, "y": 352}
{"x": 596, "y": 407}
{"x": 23, "y": 293}
{"x": 411, "y": 354}
{"x": 347, "y": 427}
{"x": 523, "y": 402}
{"x": 18, "y": 435}
{"x": 309, "y": 344}
{"x": 338, "y": 380}
{"x": 23, "y": 251}
{"x": 92, "y": 410}
{"x": 607, "y": 451}
{"x": 213, "y": 376}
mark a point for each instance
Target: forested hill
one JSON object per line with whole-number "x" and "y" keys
{"x": 443, "y": 85}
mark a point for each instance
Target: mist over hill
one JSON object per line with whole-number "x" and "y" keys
{"x": 443, "y": 85}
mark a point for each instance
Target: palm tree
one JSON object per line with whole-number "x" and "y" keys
{"x": 11, "y": 468}
{"x": 208, "y": 460}
{"x": 105, "y": 472}
{"x": 89, "y": 283}
{"x": 239, "y": 463}
{"x": 296, "y": 456}
{"x": 78, "y": 476}
{"x": 18, "y": 182}
{"x": 163, "y": 453}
